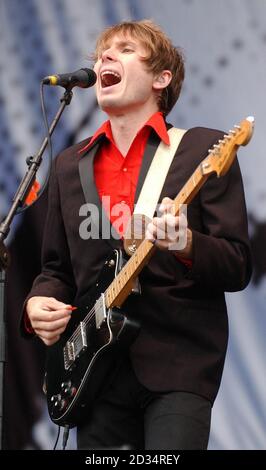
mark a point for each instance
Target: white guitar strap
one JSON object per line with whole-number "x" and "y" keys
{"x": 151, "y": 190}
{"x": 156, "y": 176}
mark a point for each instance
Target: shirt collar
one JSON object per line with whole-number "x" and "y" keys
{"x": 156, "y": 122}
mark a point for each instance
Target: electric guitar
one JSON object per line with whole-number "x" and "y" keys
{"x": 79, "y": 363}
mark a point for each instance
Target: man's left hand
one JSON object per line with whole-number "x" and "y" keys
{"x": 170, "y": 232}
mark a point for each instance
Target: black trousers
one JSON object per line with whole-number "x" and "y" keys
{"x": 127, "y": 415}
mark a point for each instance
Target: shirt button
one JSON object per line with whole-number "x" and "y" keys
{"x": 123, "y": 202}
{"x": 124, "y": 169}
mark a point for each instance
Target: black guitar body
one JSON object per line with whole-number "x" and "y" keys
{"x": 81, "y": 361}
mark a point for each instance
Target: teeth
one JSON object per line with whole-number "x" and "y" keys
{"x": 110, "y": 72}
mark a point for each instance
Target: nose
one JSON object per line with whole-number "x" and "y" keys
{"x": 108, "y": 54}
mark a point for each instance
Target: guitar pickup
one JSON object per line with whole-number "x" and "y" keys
{"x": 100, "y": 312}
{"x": 75, "y": 346}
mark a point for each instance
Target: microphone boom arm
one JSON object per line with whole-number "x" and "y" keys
{"x": 33, "y": 166}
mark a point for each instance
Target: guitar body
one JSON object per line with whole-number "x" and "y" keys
{"x": 78, "y": 365}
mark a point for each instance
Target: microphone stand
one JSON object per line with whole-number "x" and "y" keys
{"x": 33, "y": 163}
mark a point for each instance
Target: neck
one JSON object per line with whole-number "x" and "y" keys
{"x": 126, "y": 126}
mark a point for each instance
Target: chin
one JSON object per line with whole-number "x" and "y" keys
{"x": 109, "y": 105}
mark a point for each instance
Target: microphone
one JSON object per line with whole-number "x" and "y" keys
{"x": 82, "y": 78}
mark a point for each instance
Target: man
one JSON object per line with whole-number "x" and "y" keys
{"x": 162, "y": 390}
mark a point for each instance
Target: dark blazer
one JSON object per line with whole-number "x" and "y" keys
{"x": 183, "y": 339}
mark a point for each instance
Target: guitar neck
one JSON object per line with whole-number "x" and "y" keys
{"x": 191, "y": 188}
{"x": 122, "y": 285}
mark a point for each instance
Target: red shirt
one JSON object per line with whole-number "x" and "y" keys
{"x": 116, "y": 176}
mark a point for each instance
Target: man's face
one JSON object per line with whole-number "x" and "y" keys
{"x": 124, "y": 82}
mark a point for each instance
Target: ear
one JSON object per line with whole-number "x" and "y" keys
{"x": 162, "y": 80}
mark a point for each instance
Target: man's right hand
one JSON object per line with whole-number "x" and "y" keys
{"x": 48, "y": 318}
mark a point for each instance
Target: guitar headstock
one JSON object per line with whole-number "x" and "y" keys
{"x": 222, "y": 154}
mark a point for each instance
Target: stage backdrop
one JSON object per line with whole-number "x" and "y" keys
{"x": 225, "y": 47}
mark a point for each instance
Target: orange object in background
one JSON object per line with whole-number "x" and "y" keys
{"x": 33, "y": 194}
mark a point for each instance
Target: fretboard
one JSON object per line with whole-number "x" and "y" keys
{"x": 191, "y": 188}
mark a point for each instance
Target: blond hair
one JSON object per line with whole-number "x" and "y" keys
{"x": 161, "y": 55}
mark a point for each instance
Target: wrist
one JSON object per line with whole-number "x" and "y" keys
{"x": 186, "y": 252}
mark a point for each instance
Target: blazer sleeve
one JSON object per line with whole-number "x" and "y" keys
{"x": 221, "y": 252}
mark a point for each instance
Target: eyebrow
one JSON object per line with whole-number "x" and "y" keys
{"x": 121, "y": 43}
{"x": 126, "y": 43}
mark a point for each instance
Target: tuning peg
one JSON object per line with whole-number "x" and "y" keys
{"x": 232, "y": 132}
{"x": 221, "y": 141}
{"x": 237, "y": 127}
{"x": 250, "y": 118}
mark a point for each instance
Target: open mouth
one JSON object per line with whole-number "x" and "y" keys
{"x": 109, "y": 78}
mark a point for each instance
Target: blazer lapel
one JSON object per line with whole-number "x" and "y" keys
{"x": 98, "y": 215}
{"x": 150, "y": 149}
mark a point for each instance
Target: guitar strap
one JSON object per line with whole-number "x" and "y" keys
{"x": 156, "y": 176}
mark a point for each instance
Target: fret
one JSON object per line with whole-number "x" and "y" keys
{"x": 135, "y": 258}
{"x": 114, "y": 287}
{"x": 189, "y": 190}
{"x": 125, "y": 273}
{"x": 117, "y": 287}
{"x": 111, "y": 292}
{"x": 193, "y": 179}
{"x": 119, "y": 281}
{"x": 143, "y": 249}
{"x": 139, "y": 254}
{"x": 107, "y": 297}
{"x": 130, "y": 267}
{"x": 128, "y": 270}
